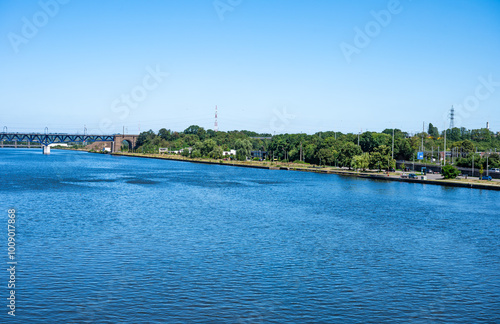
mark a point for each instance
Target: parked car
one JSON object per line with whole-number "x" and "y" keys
{"x": 412, "y": 176}
{"x": 486, "y": 178}
{"x": 430, "y": 171}
{"x": 495, "y": 170}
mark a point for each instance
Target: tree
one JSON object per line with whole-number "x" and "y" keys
{"x": 402, "y": 149}
{"x": 193, "y": 129}
{"x": 164, "y": 134}
{"x": 207, "y": 146}
{"x": 367, "y": 142}
{"x": 381, "y": 158}
{"x": 454, "y": 134}
{"x": 347, "y": 151}
{"x": 145, "y": 137}
{"x": 467, "y": 146}
{"x": 243, "y": 147}
{"x": 216, "y": 153}
{"x": 326, "y": 156}
{"x": 433, "y": 131}
{"x": 361, "y": 161}
{"x": 450, "y": 172}
{"x": 494, "y": 160}
{"x": 377, "y": 160}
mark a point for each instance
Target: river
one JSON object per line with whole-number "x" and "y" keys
{"x": 107, "y": 239}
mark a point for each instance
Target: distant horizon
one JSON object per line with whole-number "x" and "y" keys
{"x": 81, "y": 131}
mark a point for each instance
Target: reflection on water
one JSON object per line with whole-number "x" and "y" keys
{"x": 104, "y": 239}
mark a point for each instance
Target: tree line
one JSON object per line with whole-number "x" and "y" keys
{"x": 371, "y": 150}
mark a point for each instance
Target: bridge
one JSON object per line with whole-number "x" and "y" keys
{"x": 115, "y": 141}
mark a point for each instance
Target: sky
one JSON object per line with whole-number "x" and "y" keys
{"x": 269, "y": 66}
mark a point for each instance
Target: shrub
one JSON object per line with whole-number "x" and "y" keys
{"x": 450, "y": 172}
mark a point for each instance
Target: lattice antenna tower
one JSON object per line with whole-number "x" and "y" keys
{"x": 216, "y": 125}
{"x": 452, "y": 117}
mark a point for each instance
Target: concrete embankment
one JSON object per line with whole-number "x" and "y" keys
{"x": 316, "y": 169}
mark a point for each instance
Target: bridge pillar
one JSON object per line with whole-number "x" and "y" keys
{"x": 46, "y": 149}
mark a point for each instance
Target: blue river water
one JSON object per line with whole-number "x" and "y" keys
{"x": 106, "y": 239}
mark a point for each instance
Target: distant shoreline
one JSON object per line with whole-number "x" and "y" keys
{"x": 316, "y": 169}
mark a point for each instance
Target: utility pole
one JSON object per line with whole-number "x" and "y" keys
{"x": 423, "y": 130}
{"x": 444, "y": 147}
{"x": 393, "y": 143}
{"x": 473, "y": 164}
{"x": 487, "y": 167}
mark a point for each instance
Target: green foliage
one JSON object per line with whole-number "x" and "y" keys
{"x": 325, "y": 148}
{"x": 145, "y": 137}
{"x": 494, "y": 161}
{"x": 243, "y": 148}
{"x": 207, "y": 147}
{"x": 327, "y": 156}
{"x": 216, "y": 153}
{"x": 185, "y": 152}
{"x": 381, "y": 158}
{"x": 361, "y": 161}
{"x": 433, "y": 131}
{"x": 195, "y": 154}
{"x": 192, "y": 130}
{"x": 450, "y": 172}
{"x": 403, "y": 149}
{"x": 347, "y": 151}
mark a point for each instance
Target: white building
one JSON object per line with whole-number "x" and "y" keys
{"x": 230, "y": 152}
{"x": 58, "y": 144}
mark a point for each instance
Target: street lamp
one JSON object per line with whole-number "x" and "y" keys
{"x": 487, "y": 167}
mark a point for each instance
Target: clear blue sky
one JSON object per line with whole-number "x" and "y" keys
{"x": 256, "y": 60}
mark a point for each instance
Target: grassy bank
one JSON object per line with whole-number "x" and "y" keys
{"x": 392, "y": 176}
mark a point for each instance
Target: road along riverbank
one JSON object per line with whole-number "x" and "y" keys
{"x": 393, "y": 176}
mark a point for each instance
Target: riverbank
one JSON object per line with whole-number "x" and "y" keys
{"x": 392, "y": 176}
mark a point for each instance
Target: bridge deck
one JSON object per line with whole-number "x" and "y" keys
{"x": 47, "y": 139}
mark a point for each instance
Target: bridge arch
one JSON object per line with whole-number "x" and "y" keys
{"x": 126, "y": 145}
{"x": 120, "y": 140}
